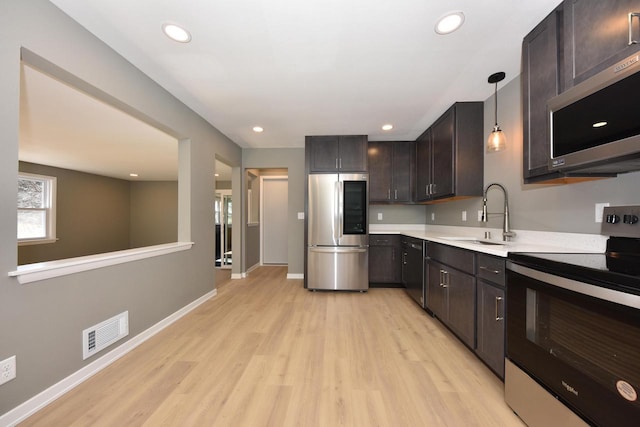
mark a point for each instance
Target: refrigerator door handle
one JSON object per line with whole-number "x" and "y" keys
{"x": 340, "y": 207}
{"x": 339, "y": 250}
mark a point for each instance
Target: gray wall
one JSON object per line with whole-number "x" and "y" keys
{"x": 47, "y": 317}
{"x": 291, "y": 159}
{"x": 92, "y": 215}
{"x": 98, "y": 214}
{"x": 154, "y": 213}
{"x": 392, "y": 214}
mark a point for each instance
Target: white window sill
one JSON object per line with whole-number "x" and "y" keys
{"x": 46, "y": 270}
{"x": 27, "y": 242}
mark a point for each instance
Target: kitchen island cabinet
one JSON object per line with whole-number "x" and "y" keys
{"x": 336, "y": 153}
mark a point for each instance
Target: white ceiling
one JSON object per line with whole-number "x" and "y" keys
{"x": 310, "y": 67}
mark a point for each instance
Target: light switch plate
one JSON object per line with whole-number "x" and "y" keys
{"x": 464, "y": 215}
{"x": 300, "y": 215}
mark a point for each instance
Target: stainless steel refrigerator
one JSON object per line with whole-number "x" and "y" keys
{"x": 338, "y": 232}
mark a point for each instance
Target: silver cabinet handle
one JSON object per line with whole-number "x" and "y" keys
{"x": 336, "y": 163}
{"x": 631, "y": 16}
{"x": 389, "y": 194}
{"x": 443, "y": 278}
{"x": 395, "y": 194}
{"x": 426, "y": 190}
{"x": 482, "y": 267}
{"x": 498, "y": 317}
{"x": 341, "y": 163}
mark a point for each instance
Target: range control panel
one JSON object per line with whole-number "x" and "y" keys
{"x": 621, "y": 221}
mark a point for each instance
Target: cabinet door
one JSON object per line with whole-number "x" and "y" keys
{"x": 380, "y": 171}
{"x": 436, "y": 291}
{"x": 353, "y": 153}
{"x": 490, "y": 326}
{"x": 403, "y": 164}
{"x": 423, "y": 166}
{"x": 323, "y": 153}
{"x": 461, "y": 289}
{"x": 442, "y": 155}
{"x": 597, "y": 36}
{"x": 540, "y": 82}
{"x": 384, "y": 259}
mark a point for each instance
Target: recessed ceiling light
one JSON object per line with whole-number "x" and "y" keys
{"x": 176, "y": 32}
{"x": 257, "y": 129}
{"x": 449, "y": 22}
{"x": 133, "y": 175}
{"x": 387, "y": 127}
{"x": 599, "y": 124}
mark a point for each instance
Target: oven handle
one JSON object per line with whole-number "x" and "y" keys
{"x": 606, "y": 294}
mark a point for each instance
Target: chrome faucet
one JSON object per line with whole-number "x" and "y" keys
{"x": 507, "y": 234}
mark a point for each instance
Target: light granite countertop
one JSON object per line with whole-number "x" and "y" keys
{"x": 472, "y": 238}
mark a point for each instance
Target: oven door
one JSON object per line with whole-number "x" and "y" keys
{"x": 580, "y": 341}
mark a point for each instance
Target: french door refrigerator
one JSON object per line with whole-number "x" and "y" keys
{"x": 338, "y": 232}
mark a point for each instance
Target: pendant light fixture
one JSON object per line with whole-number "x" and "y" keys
{"x": 497, "y": 140}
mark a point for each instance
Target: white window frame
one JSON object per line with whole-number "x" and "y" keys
{"x": 50, "y": 209}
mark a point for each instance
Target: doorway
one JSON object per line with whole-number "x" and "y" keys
{"x": 274, "y": 245}
{"x": 224, "y": 223}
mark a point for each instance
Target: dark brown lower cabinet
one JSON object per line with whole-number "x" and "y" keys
{"x": 490, "y": 326}
{"x": 385, "y": 259}
{"x": 451, "y": 297}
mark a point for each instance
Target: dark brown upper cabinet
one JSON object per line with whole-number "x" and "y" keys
{"x": 450, "y": 155}
{"x": 597, "y": 36}
{"x": 337, "y": 153}
{"x": 390, "y": 171}
{"x": 576, "y": 41}
{"x": 540, "y": 81}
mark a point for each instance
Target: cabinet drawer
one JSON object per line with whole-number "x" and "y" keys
{"x": 384, "y": 239}
{"x": 491, "y": 268}
{"x": 461, "y": 259}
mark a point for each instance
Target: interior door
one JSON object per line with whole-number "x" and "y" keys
{"x": 275, "y": 220}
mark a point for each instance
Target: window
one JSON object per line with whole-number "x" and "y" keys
{"x": 36, "y": 208}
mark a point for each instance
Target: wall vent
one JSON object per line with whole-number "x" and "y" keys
{"x": 104, "y": 334}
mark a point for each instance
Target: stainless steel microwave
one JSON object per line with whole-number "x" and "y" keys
{"x": 594, "y": 126}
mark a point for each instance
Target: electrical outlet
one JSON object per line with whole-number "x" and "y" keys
{"x": 464, "y": 215}
{"x": 7, "y": 369}
{"x": 600, "y": 210}
{"x": 479, "y": 216}
{"x": 379, "y": 216}
{"x": 433, "y": 216}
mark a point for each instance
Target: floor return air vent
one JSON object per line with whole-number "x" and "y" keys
{"x": 104, "y": 334}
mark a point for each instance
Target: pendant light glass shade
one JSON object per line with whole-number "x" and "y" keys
{"x": 497, "y": 140}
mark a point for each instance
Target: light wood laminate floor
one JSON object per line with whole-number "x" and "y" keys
{"x": 266, "y": 352}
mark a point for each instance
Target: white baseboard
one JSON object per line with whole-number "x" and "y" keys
{"x": 39, "y": 401}
{"x": 238, "y": 276}
{"x": 295, "y": 276}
